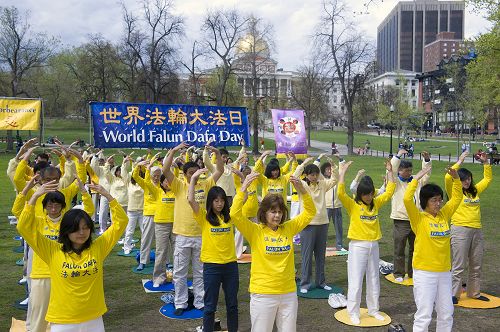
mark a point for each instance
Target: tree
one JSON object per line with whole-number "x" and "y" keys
{"x": 223, "y": 30}
{"x": 255, "y": 49}
{"x": 365, "y": 106}
{"x": 154, "y": 47}
{"x": 233, "y": 94}
{"x": 309, "y": 92}
{"x": 21, "y": 50}
{"x": 347, "y": 54}
{"x": 193, "y": 86}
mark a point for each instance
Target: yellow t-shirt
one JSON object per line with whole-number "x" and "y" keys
{"x": 150, "y": 197}
{"x": 217, "y": 242}
{"x": 77, "y": 290}
{"x": 274, "y": 186}
{"x": 364, "y": 224}
{"x": 468, "y": 213}
{"x": 273, "y": 266}
{"x": 184, "y": 223}
{"x": 165, "y": 207}
{"x": 432, "y": 234}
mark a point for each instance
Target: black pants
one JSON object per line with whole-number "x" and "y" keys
{"x": 403, "y": 233}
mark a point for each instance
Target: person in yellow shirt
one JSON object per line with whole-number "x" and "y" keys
{"x": 467, "y": 244}
{"x": 217, "y": 253}
{"x": 75, "y": 262}
{"x": 314, "y": 236}
{"x": 273, "y": 297}
{"x": 186, "y": 229}
{"x": 431, "y": 258}
{"x": 364, "y": 233}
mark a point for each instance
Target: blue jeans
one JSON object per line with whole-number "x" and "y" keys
{"x": 213, "y": 276}
{"x": 336, "y": 216}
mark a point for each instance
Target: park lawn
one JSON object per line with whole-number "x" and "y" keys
{"x": 382, "y": 143}
{"x": 131, "y": 309}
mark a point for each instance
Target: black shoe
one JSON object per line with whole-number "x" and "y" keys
{"x": 178, "y": 311}
{"x": 482, "y": 298}
{"x": 454, "y": 300}
{"x": 217, "y": 326}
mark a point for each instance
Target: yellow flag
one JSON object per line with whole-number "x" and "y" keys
{"x": 20, "y": 114}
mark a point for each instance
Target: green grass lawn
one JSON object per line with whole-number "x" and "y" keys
{"x": 131, "y": 309}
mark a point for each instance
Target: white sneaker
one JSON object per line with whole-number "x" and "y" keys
{"x": 126, "y": 251}
{"x": 333, "y": 301}
{"x": 303, "y": 291}
{"x": 377, "y": 316}
{"x": 24, "y": 302}
{"x": 23, "y": 280}
{"x": 342, "y": 300}
{"x": 355, "y": 319}
{"x": 155, "y": 285}
{"x": 120, "y": 241}
{"x": 342, "y": 249}
{"x": 399, "y": 279}
{"x": 326, "y": 287}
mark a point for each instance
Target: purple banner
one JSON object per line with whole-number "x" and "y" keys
{"x": 289, "y": 131}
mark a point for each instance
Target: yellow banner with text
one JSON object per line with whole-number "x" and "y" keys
{"x": 20, "y": 114}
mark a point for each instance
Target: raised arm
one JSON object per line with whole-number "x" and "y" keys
{"x": 300, "y": 168}
{"x": 192, "y": 188}
{"x": 20, "y": 201}
{"x": 304, "y": 218}
{"x": 207, "y": 160}
{"x": 219, "y": 163}
{"x": 244, "y": 225}
{"x": 487, "y": 174}
{"x": 391, "y": 186}
{"x": 448, "y": 180}
{"x": 456, "y": 195}
{"x": 354, "y": 184}
{"x": 426, "y": 162}
{"x": 167, "y": 162}
{"x": 347, "y": 201}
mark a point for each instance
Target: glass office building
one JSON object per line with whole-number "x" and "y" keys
{"x": 410, "y": 26}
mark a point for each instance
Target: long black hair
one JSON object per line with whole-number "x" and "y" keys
{"x": 213, "y": 193}
{"x": 70, "y": 223}
{"x": 365, "y": 187}
{"x": 324, "y": 166}
{"x": 464, "y": 174}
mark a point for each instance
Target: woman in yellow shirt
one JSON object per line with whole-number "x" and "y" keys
{"x": 218, "y": 253}
{"x": 364, "y": 233}
{"x": 273, "y": 296}
{"x": 75, "y": 262}
{"x": 431, "y": 257}
{"x": 467, "y": 244}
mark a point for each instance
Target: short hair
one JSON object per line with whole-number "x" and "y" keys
{"x": 188, "y": 165}
{"x": 39, "y": 166}
{"x": 162, "y": 179}
{"x": 49, "y": 170}
{"x": 269, "y": 202}
{"x": 42, "y": 155}
{"x": 70, "y": 223}
{"x": 213, "y": 193}
{"x": 311, "y": 169}
{"x": 324, "y": 166}
{"x": 464, "y": 174}
{"x": 365, "y": 187}
{"x": 224, "y": 151}
{"x": 405, "y": 164}
{"x": 427, "y": 192}
{"x": 54, "y": 197}
{"x": 272, "y": 166}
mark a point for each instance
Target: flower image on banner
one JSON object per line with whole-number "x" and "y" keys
{"x": 289, "y": 132}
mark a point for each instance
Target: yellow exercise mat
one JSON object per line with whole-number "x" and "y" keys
{"x": 20, "y": 326}
{"x": 364, "y": 320}
{"x": 245, "y": 259}
{"x": 468, "y": 302}
{"x": 406, "y": 281}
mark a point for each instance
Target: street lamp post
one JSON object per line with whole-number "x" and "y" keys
{"x": 391, "y": 110}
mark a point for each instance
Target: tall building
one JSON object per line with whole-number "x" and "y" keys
{"x": 445, "y": 46}
{"x": 411, "y": 25}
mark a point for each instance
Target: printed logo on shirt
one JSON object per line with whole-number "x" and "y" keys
{"x": 369, "y": 218}
{"x": 275, "y": 190}
{"x": 168, "y": 199}
{"x": 219, "y": 230}
{"x": 199, "y": 195}
{"x": 274, "y": 247}
{"x": 472, "y": 201}
{"x": 439, "y": 230}
{"x": 72, "y": 270}
{"x": 277, "y": 249}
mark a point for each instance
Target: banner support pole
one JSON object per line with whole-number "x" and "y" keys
{"x": 90, "y": 125}
{"x": 42, "y": 124}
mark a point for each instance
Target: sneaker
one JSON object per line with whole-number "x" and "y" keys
{"x": 303, "y": 291}
{"x": 399, "y": 279}
{"x": 355, "y": 319}
{"x": 25, "y": 280}
{"x": 342, "y": 300}
{"x": 454, "y": 300}
{"x": 120, "y": 241}
{"x": 140, "y": 267}
{"x": 217, "y": 326}
{"x": 168, "y": 297}
{"x": 199, "y": 329}
{"x": 25, "y": 301}
{"x": 156, "y": 285}
{"x": 325, "y": 287}
{"x": 179, "y": 311}
{"x": 482, "y": 298}
{"x": 127, "y": 251}
{"x": 377, "y": 316}
{"x": 333, "y": 301}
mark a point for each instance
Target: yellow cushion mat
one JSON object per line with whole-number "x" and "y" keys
{"x": 20, "y": 326}
{"x": 365, "y": 320}
{"x": 468, "y": 302}
{"x": 406, "y": 281}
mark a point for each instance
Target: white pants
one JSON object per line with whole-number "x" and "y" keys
{"x": 238, "y": 242}
{"x": 188, "y": 249}
{"x": 94, "y": 325}
{"x": 432, "y": 289}
{"x": 267, "y": 308}
{"x": 294, "y": 209}
{"x": 38, "y": 305}
{"x": 148, "y": 232}
{"x": 363, "y": 259}
{"x": 103, "y": 214}
{"x": 134, "y": 218}
{"x": 95, "y": 198}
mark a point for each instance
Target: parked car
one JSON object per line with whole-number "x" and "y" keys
{"x": 373, "y": 126}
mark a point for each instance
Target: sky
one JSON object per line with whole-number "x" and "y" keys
{"x": 293, "y": 20}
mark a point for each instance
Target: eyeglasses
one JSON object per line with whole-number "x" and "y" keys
{"x": 435, "y": 200}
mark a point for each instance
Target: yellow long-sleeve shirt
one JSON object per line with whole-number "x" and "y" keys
{"x": 150, "y": 199}
{"x": 273, "y": 265}
{"x": 432, "y": 234}
{"x": 468, "y": 213}
{"x": 398, "y": 210}
{"x": 364, "y": 224}
{"x": 77, "y": 290}
{"x": 274, "y": 186}
{"x": 252, "y": 204}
